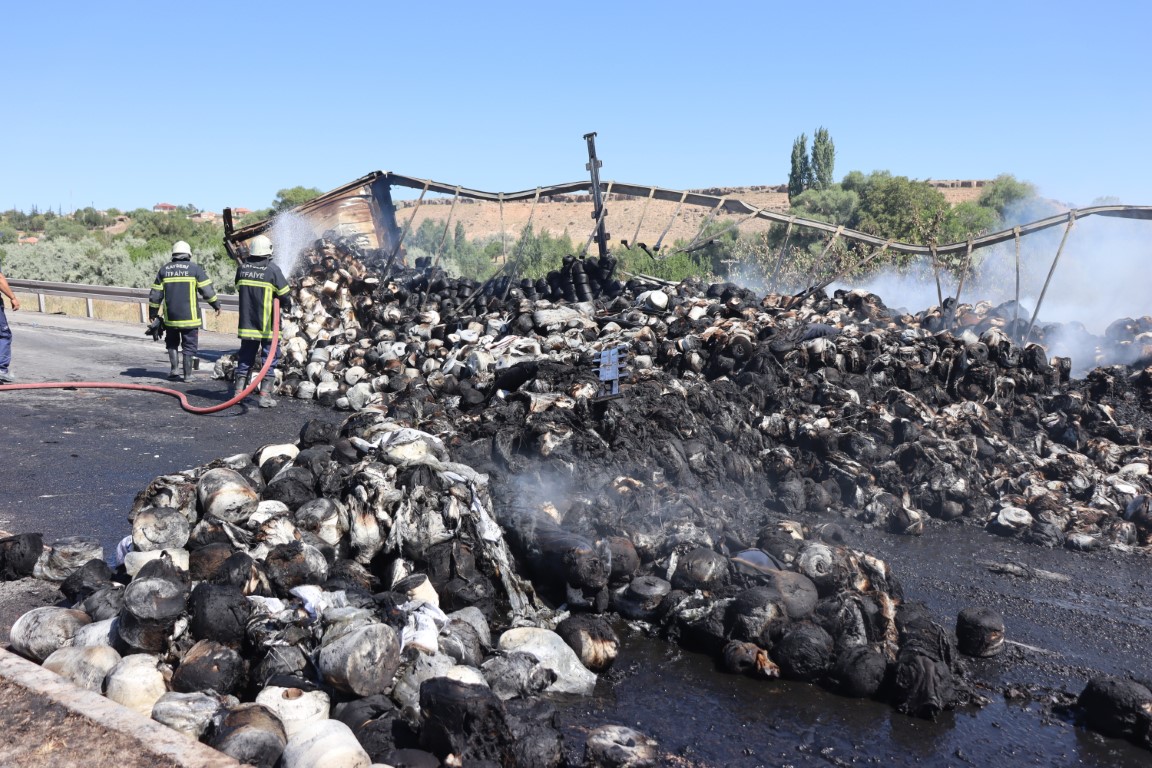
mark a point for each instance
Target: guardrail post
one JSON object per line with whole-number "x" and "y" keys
{"x": 88, "y": 308}
{"x": 40, "y": 303}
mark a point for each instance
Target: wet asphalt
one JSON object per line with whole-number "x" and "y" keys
{"x": 71, "y": 462}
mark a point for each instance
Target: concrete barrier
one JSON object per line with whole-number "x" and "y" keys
{"x": 112, "y": 309}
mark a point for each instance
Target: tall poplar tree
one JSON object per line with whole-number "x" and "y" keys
{"x": 801, "y": 173}
{"x": 823, "y": 159}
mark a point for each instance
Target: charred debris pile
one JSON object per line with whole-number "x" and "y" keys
{"x": 830, "y": 406}
{"x": 418, "y": 582}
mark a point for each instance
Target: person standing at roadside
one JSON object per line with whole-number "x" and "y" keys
{"x": 174, "y": 294}
{"x": 5, "y": 330}
{"x": 258, "y": 282}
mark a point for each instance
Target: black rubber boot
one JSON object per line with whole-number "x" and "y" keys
{"x": 266, "y": 387}
{"x": 174, "y": 360}
{"x": 188, "y": 367}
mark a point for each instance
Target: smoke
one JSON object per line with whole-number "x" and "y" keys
{"x": 291, "y": 235}
{"x": 1101, "y": 277}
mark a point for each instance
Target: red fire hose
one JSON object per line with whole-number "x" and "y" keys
{"x": 171, "y": 392}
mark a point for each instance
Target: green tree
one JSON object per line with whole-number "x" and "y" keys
{"x": 801, "y": 172}
{"x": 1005, "y": 191}
{"x": 834, "y": 204}
{"x": 968, "y": 219}
{"x": 91, "y": 218}
{"x": 290, "y": 198}
{"x": 65, "y": 228}
{"x": 823, "y": 159}
{"x": 255, "y": 217}
{"x": 897, "y": 207}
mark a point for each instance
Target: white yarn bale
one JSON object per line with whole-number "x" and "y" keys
{"x": 40, "y": 631}
{"x": 137, "y": 682}
{"x": 327, "y": 744}
{"x": 84, "y": 667}
{"x": 294, "y": 707}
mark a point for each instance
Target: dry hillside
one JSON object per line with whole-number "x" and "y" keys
{"x": 628, "y": 218}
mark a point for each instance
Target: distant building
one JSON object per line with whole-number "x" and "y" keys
{"x": 238, "y": 212}
{"x": 28, "y": 240}
{"x": 163, "y": 208}
{"x": 204, "y": 216}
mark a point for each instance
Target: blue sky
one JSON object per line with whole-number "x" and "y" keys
{"x": 221, "y": 104}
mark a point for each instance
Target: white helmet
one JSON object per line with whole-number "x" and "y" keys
{"x": 181, "y": 247}
{"x": 260, "y": 246}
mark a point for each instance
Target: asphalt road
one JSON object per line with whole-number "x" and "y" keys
{"x": 72, "y": 460}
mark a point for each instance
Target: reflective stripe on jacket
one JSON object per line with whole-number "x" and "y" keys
{"x": 174, "y": 293}
{"x": 257, "y": 282}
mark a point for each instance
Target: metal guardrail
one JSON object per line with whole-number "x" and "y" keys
{"x": 42, "y": 288}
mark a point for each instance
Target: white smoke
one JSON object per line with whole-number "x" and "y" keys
{"x": 1101, "y": 277}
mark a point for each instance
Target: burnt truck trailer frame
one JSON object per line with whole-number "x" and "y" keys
{"x": 364, "y": 209}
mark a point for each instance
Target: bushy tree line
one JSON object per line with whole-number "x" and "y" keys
{"x": 91, "y": 262}
{"x": 78, "y": 249}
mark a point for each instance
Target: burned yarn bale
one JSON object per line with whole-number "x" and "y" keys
{"x": 567, "y": 566}
{"x": 702, "y": 568}
{"x": 804, "y": 652}
{"x": 980, "y": 632}
{"x": 592, "y": 638}
{"x": 534, "y": 727}
{"x": 152, "y": 605}
{"x": 860, "y": 671}
{"x": 1118, "y": 707}
{"x": 617, "y": 746}
{"x": 41, "y": 631}
{"x": 290, "y": 565}
{"x": 18, "y": 555}
{"x": 465, "y": 720}
{"x": 226, "y": 495}
{"x": 60, "y": 558}
{"x": 293, "y": 486}
{"x": 219, "y": 612}
{"x": 925, "y": 680}
{"x": 86, "y": 580}
{"x": 250, "y": 733}
{"x": 210, "y": 666}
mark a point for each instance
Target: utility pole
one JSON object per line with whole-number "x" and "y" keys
{"x": 601, "y": 236}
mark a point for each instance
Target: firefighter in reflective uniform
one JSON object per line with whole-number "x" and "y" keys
{"x": 258, "y": 281}
{"x": 174, "y": 298}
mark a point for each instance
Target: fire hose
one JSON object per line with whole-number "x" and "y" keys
{"x": 238, "y": 398}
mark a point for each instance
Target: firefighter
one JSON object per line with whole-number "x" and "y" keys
{"x": 258, "y": 281}
{"x": 174, "y": 297}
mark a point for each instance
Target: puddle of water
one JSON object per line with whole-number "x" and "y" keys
{"x": 703, "y": 716}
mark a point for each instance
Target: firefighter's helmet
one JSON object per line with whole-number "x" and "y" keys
{"x": 260, "y": 246}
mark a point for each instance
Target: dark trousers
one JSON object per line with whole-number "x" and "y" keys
{"x": 189, "y": 338}
{"x": 5, "y": 340}
{"x": 247, "y": 356}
